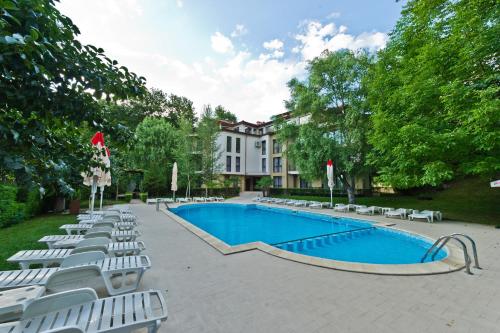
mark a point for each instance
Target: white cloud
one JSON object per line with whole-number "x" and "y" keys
{"x": 179, "y": 3}
{"x": 220, "y": 43}
{"x": 274, "y": 44}
{"x": 318, "y": 37}
{"x": 251, "y": 85}
{"x": 333, "y": 15}
{"x": 239, "y": 30}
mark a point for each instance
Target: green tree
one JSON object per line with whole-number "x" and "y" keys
{"x": 434, "y": 94}
{"x": 153, "y": 151}
{"x": 265, "y": 183}
{"x": 187, "y": 155}
{"x": 50, "y": 84}
{"x": 222, "y": 114}
{"x": 333, "y": 102}
{"x": 208, "y": 130}
{"x": 157, "y": 103}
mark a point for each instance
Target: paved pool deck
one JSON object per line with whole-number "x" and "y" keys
{"x": 256, "y": 292}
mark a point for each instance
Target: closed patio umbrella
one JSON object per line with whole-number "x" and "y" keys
{"x": 174, "y": 179}
{"x": 331, "y": 183}
{"x": 106, "y": 179}
{"x": 95, "y": 175}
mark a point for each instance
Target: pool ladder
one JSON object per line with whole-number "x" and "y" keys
{"x": 441, "y": 242}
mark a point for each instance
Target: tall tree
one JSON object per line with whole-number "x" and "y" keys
{"x": 153, "y": 151}
{"x": 332, "y": 99}
{"x": 157, "y": 103}
{"x": 50, "y": 84}
{"x": 434, "y": 93}
{"x": 208, "y": 130}
{"x": 222, "y": 114}
{"x": 187, "y": 155}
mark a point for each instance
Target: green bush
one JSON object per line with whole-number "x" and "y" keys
{"x": 11, "y": 211}
{"x": 128, "y": 197}
{"x": 318, "y": 192}
{"x": 143, "y": 196}
{"x": 33, "y": 203}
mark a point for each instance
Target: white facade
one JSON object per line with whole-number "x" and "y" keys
{"x": 253, "y": 156}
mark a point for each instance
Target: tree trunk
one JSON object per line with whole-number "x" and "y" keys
{"x": 350, "y": 190}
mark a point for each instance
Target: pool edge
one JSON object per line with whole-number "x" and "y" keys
{"x": 452, "y": 263}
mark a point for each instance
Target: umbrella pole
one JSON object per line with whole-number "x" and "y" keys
{"x": 331, "y": 197}
{"x": 102, "y": 192}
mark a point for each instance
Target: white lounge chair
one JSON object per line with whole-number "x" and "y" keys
{"x": 400, "y": 212}
{"x": 219, "y": 199}
{"x": 256, "y": 199}
{"x": 80, "y": 228}
{"x": 68, "y": 241}
{"x": 199, "y": 199}
{"x": 425, "y": 215}
{"x": 435, "y": 214}
{"x": 116, "y": 273}
{"x": 182, "y": 200}
{"x": 315, "y": 204}
{"x": 368, "y": 210}
{"x": 341, "y": 208}
{"x": 78, "y": 311}
{"x": 56, "y": 256}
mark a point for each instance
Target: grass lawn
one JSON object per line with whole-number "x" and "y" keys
{"x": 25, "y": 236}
{"x": 469, "y": 200}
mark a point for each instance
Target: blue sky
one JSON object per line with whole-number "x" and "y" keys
{"x": 236, "y": 53}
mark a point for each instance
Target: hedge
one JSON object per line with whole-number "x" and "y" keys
{"x": 11, "y": 211}
{"x": 127, "y": 197}
{"x": 317, "y": 192}
{"x": 212, "y": 192}
{"x": 143, "y": 196}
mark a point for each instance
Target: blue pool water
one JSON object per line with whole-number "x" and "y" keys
{"x": 306, "y": 233}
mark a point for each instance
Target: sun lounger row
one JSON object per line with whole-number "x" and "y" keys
{"x": 100, "y": 257}
{"x": 402, "y": 213}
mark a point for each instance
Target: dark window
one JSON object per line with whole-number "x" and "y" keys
{"x": 238, "y": 143}
{"x": 264, "y": 162}
{"x": 237, "y": 163}
{"x": 277, "y": 182}
{"x": 304, "y": 183}
{"x": 276, "y": 147}
{"x": 277, "y": 164}
{"x": 228, "y": 163}
{"x": 228, "y": 144}
{"x": 263, "y": 147}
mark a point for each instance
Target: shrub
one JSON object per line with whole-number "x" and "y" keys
{"x": 11, "y": 212}
{"x": 128, "y": 197}
{"x": 33, "y": 203}
{"x": 143, "y": 196}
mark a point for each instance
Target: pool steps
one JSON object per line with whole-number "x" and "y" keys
{"x": 323, "y": 241}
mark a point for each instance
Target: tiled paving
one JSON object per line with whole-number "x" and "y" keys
{"x": 256, "y": 292}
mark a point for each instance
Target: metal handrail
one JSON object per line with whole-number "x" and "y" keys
{"x": 474, "y": 250}
{"x": 443, "y": 240}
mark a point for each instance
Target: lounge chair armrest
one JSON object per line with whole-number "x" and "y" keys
{"x": 164, "y": 312}
{"x": 142, "y": 247}
{"x": 59, "y": 301}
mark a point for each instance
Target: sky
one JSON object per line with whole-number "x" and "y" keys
{"x": 239, "y": 54}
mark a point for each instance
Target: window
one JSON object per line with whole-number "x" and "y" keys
{"x": 276, "y": 147}
{"x": 237, "y": 163}
{"x": 263, "y": 147}
{"x": 228, "y": 163}
{"x": 277, "y": 182}
{"x": 228, "y": 144}
{"x": 238, "y": 144}
{"x": 264, "y": 162}
{"x": 277, "y": 164}
{"x": 304, "y": 183}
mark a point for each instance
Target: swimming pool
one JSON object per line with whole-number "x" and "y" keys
{"x": 305, "y": 233}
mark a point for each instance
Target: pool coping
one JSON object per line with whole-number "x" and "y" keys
{"x": 453, "y": 262}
